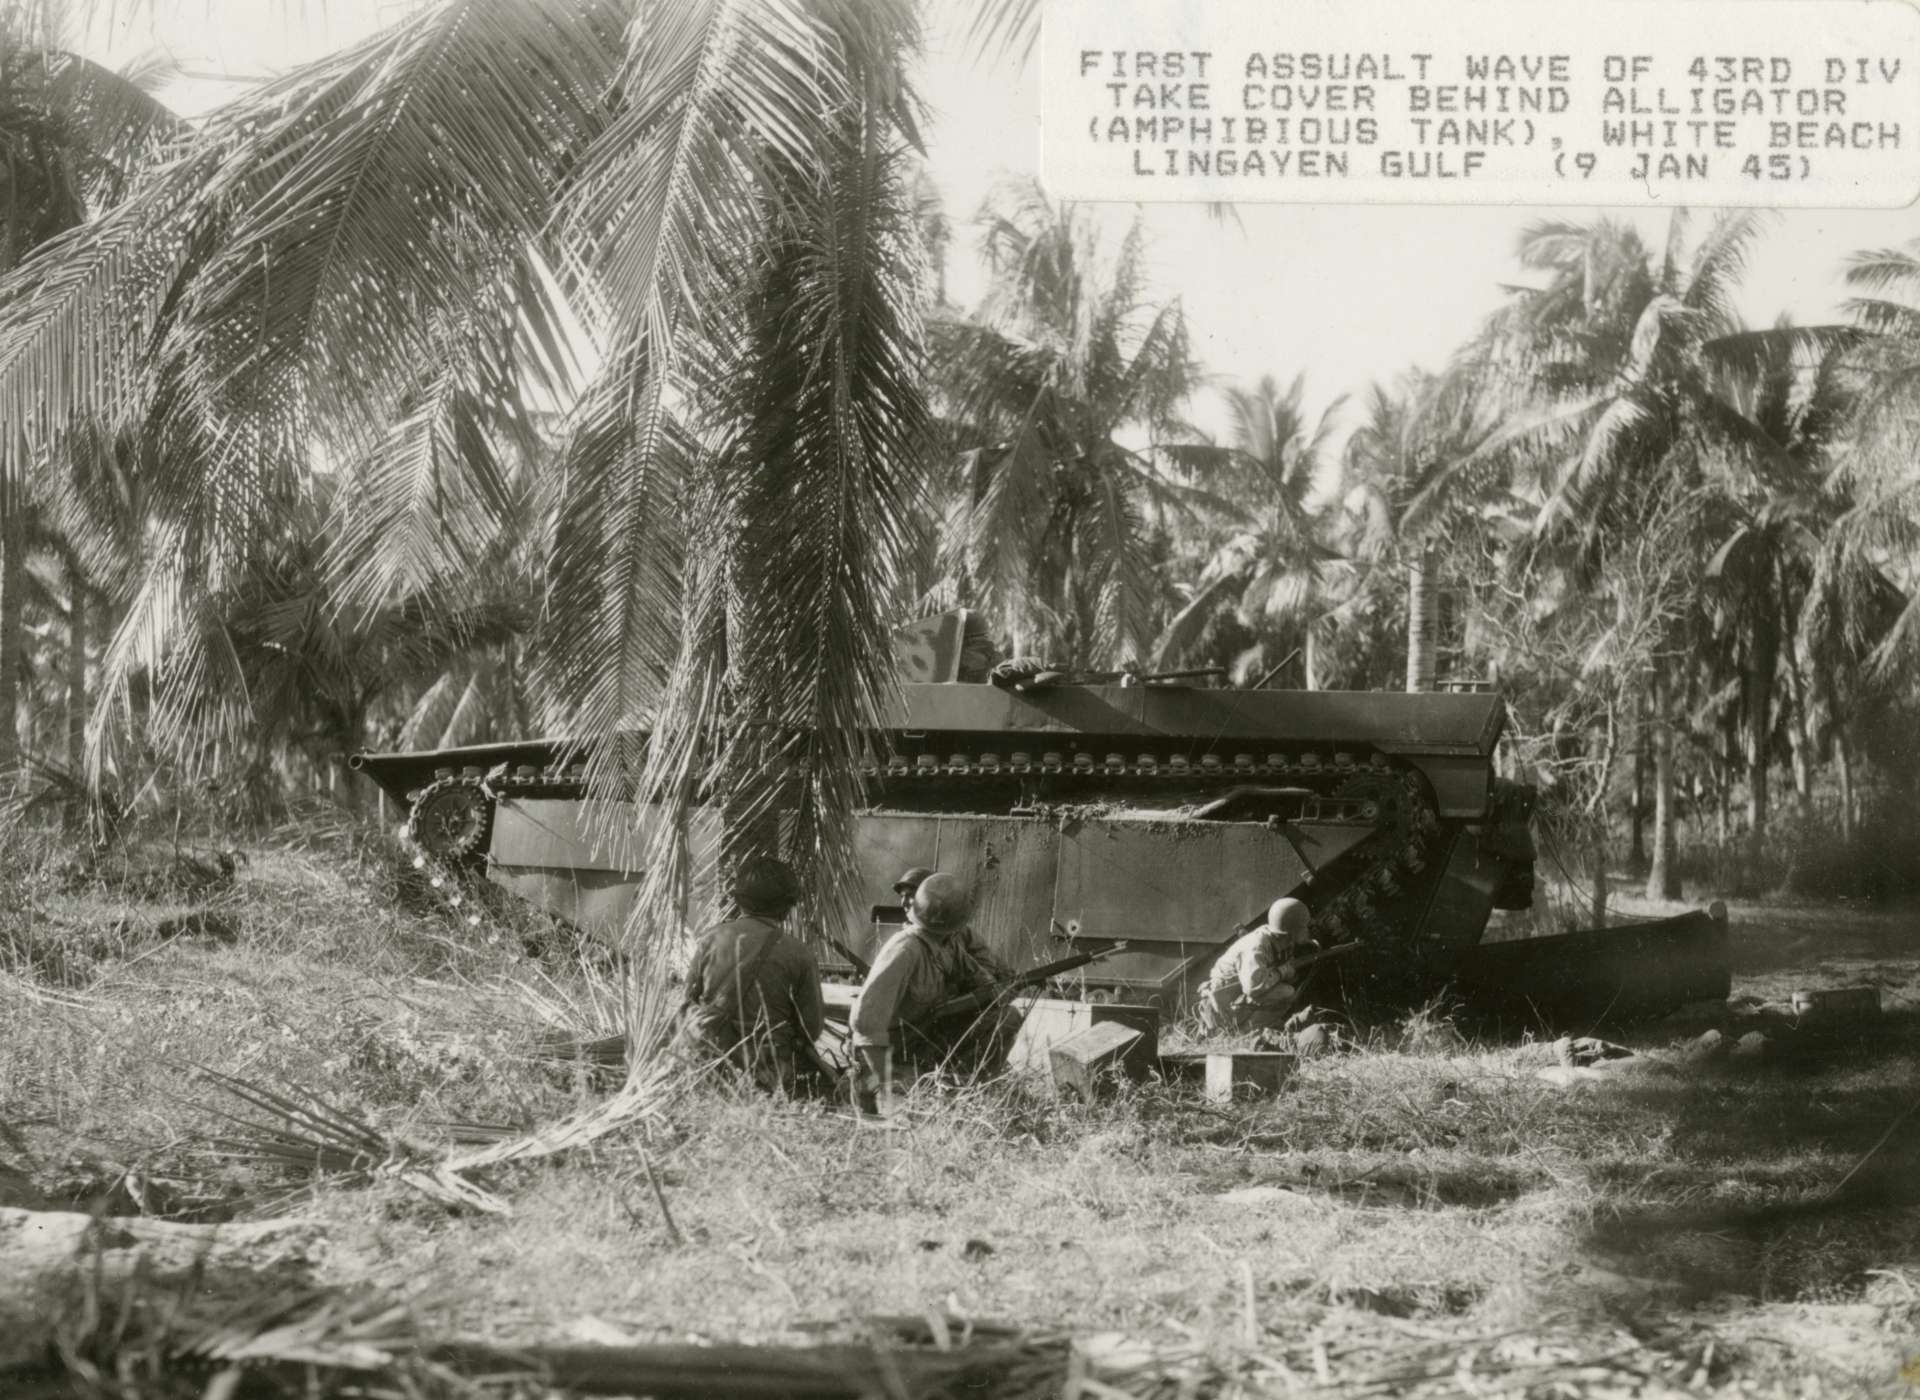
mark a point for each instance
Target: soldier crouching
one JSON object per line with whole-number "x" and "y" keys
{"x": 1253, "y": 985}
{"x": 897, "y": 1033}
{"x": 753, "y": 990}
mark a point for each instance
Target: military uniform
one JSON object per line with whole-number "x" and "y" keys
{"x": 1251, "y": 985}
{"x": 753, "y": 998}
{"x": 915, "y": 971}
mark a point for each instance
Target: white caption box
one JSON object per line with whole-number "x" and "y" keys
{"x": 1785, "y": 103}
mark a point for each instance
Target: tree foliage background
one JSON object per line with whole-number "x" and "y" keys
{"x": 587, "y": 366}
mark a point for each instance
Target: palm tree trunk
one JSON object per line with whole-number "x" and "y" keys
{"x": 1309, "y": 659}
{"x": 1607, "y": 741}
{"x": 1729, "y": 765}
{"x": 1802, "y": 769}
{"x": 1763, "y": 663}
{"x": 12, "y": 581}
{"x": 1800, "y": 731}
{"x": 1662, "y": 879}
{"x": 76, "y": 667}
{"x": 517, "y": 694}
{"x": 1843, "y": 770}
{"x": 345, "y": 786}
{"x": 1423, "y": 619}
{"x": 1637, "y": 813}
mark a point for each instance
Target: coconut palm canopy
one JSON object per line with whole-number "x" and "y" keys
{"x": 608, "y": 343}
{"x": 677, "y": 225}
{"x": 1050, "y": 387}
{"x": 72, "y": 136}
{"x": 1883, "y": 524}
{"x": 1273, "y": 562}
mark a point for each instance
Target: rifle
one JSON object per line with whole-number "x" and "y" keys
{"x": 1033, "y": 977}
{"x": 859, "y": 963}
{"x": 1307, "y": 960}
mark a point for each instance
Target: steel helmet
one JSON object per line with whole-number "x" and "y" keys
{"x": 763, "y": 885}
{"x": 1289, "y": 916}
{"x": 910, "y": 880}
{"x": 941, "y": 903}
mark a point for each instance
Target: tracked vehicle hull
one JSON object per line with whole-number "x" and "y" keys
{"x": 1168, "y": 817}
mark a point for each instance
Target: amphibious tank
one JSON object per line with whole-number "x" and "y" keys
{"x": 1084, "y": 812}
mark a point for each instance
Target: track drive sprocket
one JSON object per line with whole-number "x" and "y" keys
{"x": 451, "y": 819}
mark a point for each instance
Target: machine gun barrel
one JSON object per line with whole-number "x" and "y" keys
{"x": 1048, "y": 678}
{"x": 1134, "y": 677}
{"x": 1033, "y": 977}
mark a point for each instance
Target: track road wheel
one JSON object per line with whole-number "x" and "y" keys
{"x": 452, "y": 819}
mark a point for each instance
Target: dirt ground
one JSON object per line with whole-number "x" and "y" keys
{"x": 1425, "y": 1214}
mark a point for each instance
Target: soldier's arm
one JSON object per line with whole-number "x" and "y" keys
{"x": 1256, "y": 969}
{"x": 875, "y": 1011}
{"x": 806, "y": 993}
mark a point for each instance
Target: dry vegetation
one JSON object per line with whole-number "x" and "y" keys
{"x": 1426, "y": 1215}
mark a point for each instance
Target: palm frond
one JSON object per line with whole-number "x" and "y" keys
{"x": 1752, "y": 354}
{"x": 1005, "y": 28}
{"x": 75, "y": 317}
{"x": 614, "y": 573}
{"x": 1184, "y": 628}
{"x": 824, "y": 470}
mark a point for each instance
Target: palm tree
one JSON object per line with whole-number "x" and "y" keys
{"x": 1769, "y": 517}
{"x": 71, "y": 138}
{"x": 1418, "y": 457}
{"x": 308, "y": 669}
{"x": 1057, "y": 390}
{"x": 678, "y": 222}
{"x": 1883, "y": 522}
{"x": 1611, "y": 369}
{"x": 1271, "y": 563}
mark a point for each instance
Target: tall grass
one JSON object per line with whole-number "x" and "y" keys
{"x": 1428, "y": 1181}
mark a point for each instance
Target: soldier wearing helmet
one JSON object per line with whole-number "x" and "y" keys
{"x": 909, "y": 882}
{"x": 753, "y": 989}
{"x": 890, "y": 918}
{"x": 937, "y": 956}
{"x": 1253, "y": 984}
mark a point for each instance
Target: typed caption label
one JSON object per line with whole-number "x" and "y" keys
{"x": 1784, "y": 103}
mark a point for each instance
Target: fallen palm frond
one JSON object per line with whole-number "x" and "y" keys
{"x": 602, "y": 1052}
{"x": 364, "y": 1340}
{"x": 363, "y": 1329}
{"x": 472, "y": 1134}
{"x": 655, "y": 1078}
{"x": 583, "y": 1008}
{"x": 582, "y": 1018}
{"x": 137, "y": 1335}
{"x": 299, "y": 1131}
{"x": 305, "y": 1133}
{"x": 328, "y": 1341}
{"x": 596, "y": 1005}
{"x": 606, "y": 1016}
{"x": 649, "y": 1090}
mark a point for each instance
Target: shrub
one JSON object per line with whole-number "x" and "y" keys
{"x": 1807, "y": 856}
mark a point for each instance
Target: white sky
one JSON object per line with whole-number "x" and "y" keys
{"x": 1347, "y": 293}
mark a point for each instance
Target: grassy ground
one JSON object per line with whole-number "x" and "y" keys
{"x": 1425, "y": 1194}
